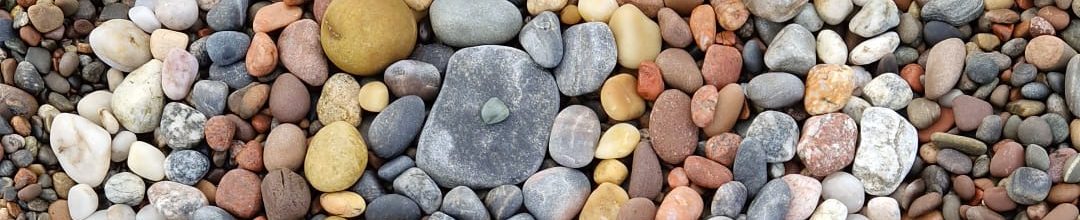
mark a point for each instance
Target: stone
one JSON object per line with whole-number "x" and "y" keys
{"x": 597, "y": 10}
{"x": 646, "y": 178}
{"x": 831, "y": 48}
{"x": 392, "y": 206}
{"x": 374, "y": 96}
{"x": 181, "y": 126}
{"x": 830, "y": 209}
{"x": 208, "y": 96}
{"x": 706, "y": 173}
{"x": 980, "y": 68}
{"x": 886, "y": 151}
{"x": 285, "y": 194}
{"x": 81, "y": 147}
{"x": 882, "y": 208}
{"x": 778, "y": 134}
{"x": 833, "y": 12}
{"x": 1037, "y": 157}
{"x": 543, "y": 41}
{"x": 227, "y": 15}
{"x": 888, "y": 90}
{"x": 556, "y": 193}
{"x": 588, "y": 55}
{"x": 146, "y": 161}
{"x": 943, "y": 67}
{"x": 300, "y": 52}
{"x": 1072, "y": 80}
{"x": 227, "y": 47}
{"x": 353, "y": 48}
{"x": 637, "y": 37}
{"x": 954, "y": 161}
{"x": 178, "y": 72}
{"x": 774, "y": 90}
{"x": 177, "y": 15}
{"x": 637, "y": 209}
{"x": 534, "y": 7}
{"x": 805, "y": 192}
{"x": 275, "y": 16}
{"x": 874, "y": 49}
{"x": 211, "y": 212}
{"x": 793, "y": 50}
{"x": 922, "y": 113}
{"x": 672, "y": 133}
{"x": 827, "y": 144}
{"x": 703, "y": 105}
{"x": 338, "y": 101}
{"x": 681, "y": 203}
{"x": 772, "y": 202}
{"x": 125, "y": 188}
{"x": 45, "y": 17}
{"x": 175, "y": 200}
{"x": 417, "y": 185}
{"x": 463, "y": 24}
{"x": 778, "y": 11}
{"x": 262, "y": 55}
{"x": 335, "y": 158}
{"x": 845, "y": 188}
{"x": 411, "y": 77}
{"x": 82, "y": 201}
{"x": 604, "y": 202}
{"x": 729, "y": 199}
{"x": 453, "y": 119}
{"x": 673, "y": 29}
{"x": 1028, "y": 186}
{"x": 120, "y": 44}
{"x": 186, "y": 166}
{"x": 722, "y": 65}
{"x": 246, "y": 101}
{"x": 344, "y": 203}
{"x": 749, "y": 167}
{"x": 289, "y": 100}
{"x": 955, "y": 12}
{"x": 970, "y": 111}
{"x": 1048, "y": 53}
{"x": 703, "y": 25}
{"x": 574, "y": 136}
{"x": 617, "y": 142}
{"x": 1035, "y": 130}
{"x": 237, "y": 195}
{"x": 503, "y": 201}
{"x": 138, "y": 102}
{"x": 394, "y": 128}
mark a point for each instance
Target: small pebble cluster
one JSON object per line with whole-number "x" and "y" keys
{"x": 540, "y": 109}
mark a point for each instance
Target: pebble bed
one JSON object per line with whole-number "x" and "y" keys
{"x": 540, "y": 109}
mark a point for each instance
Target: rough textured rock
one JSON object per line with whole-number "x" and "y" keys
{"x": 887, "y": 149}
{"x": 589, "y": 56}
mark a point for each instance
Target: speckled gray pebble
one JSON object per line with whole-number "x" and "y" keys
{"x": 186, "y": 166}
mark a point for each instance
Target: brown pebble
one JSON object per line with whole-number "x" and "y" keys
{"x": 59, "y": 210}
{"x": 1064, "y": 211}
{"x": 1063, "y": 193}
{"x": 208, "y": 189}
{"x": 729, "y": 105}
{"x": 251, "y": 157}
{"x": 219, "y": 132}
{"x": 29, "y": 192}
{"x": 275, "y": 16}
{"x": 703, "y": 25}
{"x": 677, "y": 177}
{"x": 239, "y": 193}
{"x": 29, "y": 36}
{"x": 964, "y": 187}
{"x": 24, "y": 177}
{"x": 646, "y": 179}
{"x": 998, "y": 199}
{"x": 637, "y": 209}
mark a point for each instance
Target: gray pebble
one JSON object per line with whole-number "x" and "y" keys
{"x": 435, "y": 54}
{"x": 981, "y": 68}
{"x": 390, "y": 170}
{"x": 1022, "y": 74}
{"x": 1028, "y": 185}
{"x": 1014, "y": 47}
{"x": 41, "y": 58}
{"x": 211, "y": 213}
{"x": 774, "y": 90}
{"x": 186, "y": 166}
{"x": 588, "y": 59}
{"x": 542, "y": 39}
{"x": 369, "y": 187}
{"x": 728, "y": 200}
{"x": 990, "y": 129}
{"x": 1035, "y": 130}
{"x": 462, "y": 203}
{"x": 227, "y": 47}
{"x": 235, "y": 75}
{"x": 21, "y": 158}
{"x": 208, "y": 96}
{"x": 1035, "y": 91}
{"x": 1036, "y": 157}
{"x": 1011, "y": 127}
{"x": 28, "y": 79}
{"x": 1059, "y": 126}
{"x": 503, "y": 201}
{"x": 417, "y": 185}
{"x": 772, "y": 202}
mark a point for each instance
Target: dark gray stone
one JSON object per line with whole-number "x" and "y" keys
{"x": 466, "y": 23}
{"x": 28, "y": 79}
{"x": 227, "y": 15}
{"x": 1072, "y": 85}
{"x": 114, "y": 10}
{"x": 456, "y": 147}
{"x": 556, "y": 193}
{"x": 390, "y": 170}
{"x": 462, "y": 203}
{"x": 21, "y": 158}
{"x": 235, "y": 75}
{"x": 776, "y": 132}
{"x": 1056, "y": 81}
{"x": 1035, "y": 91}
{"x": 936, "y": 179}
{"x": 211, "y": 213}
{"x": 792, "y": 51}
{"x": 208, "y": 96}
{"x": 227, "y": 47}
{"x": 1035, "y": 130}
{"x": 393, "y": 207}
{"x": 774, "y": 90}
{"x": 1028, "y": 186}
{"x": 1036, "y": 157}
{"x": 729, "y": 199}
{"x": 954, "y": 161}
{"x": 1071, "y": 34}
{"x": 772, "y": 202}
{"x": 980, "y": 68}
{"x": 186, "y": 166}
{"x": 503, "y": 201}
{"x": 753, "y": 56}
{"x": 955, "y": 12}
{"x": 93, "y": 71}
{"x": 990, "y": 129}
{"x": 6, "y": 32}
{"x": 418, "y": 186}
{"x": 542, "y": 39}
{"x": 198, "y": 49}
{"x": 396, "y": 126}
{"x": 750, "y": 164}
{"x": 411, "y": 77}
{"x": 435, "y": 54}
{"x": 368, "y": 186}
{"x": 936, "y": 31}
{"x": 41, "y": 58}
{"x": 589, "y": 58}
{"x": 181, "y": 126}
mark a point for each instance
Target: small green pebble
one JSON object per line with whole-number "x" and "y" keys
{"x": 494, "y": 111}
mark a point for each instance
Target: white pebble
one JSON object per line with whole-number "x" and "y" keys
{"x": 82, "y": 201}
{"x": 146, "y": 161}
{"x": 120, "y": 145}
{"x": 81, "y": 147}
{"x": 144, "y": 18}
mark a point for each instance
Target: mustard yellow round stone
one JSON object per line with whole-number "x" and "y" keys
{"x": 363, "y": 37}
{"x": 336, "y": 157}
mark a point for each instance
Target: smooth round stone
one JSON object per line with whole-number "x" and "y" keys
{"x": 368, "y": 50}
{"x": 82, "y": 201}
{"x": 289, "y": 100}
{"x": 923, "y": 112}
{"x": 120, "y": 44}
{"x": 1036, "y": 157}
{"x": 673, "y": 29}
{"x": 1072, "y": 81}
{"x": 619, "y": 98}
{"x": 394, "y": 128}
{"x": 638, "y": 209}
{"x": 980, "y": 68}
{"x": 121, "y": 144}
{"x": 285, "y": 194}
{"x": 888, "y": 90}
{"x": 597, "y": 10}
{"x": 392, "y": 206}
{"x": 275, "y": 16}
{"x": 208, "y": 96}
{"x": 706, "y": 173}
{"x": 750, "y": 163}
{"x": 833, "y": 12}
{"x": 247, "y": 100}
{"x": 1028, "y": 185}
{"x": 138, "y": 102}
{"x": 588, "y": 55}
{"x": 226, "y": 15}
{"x": 679, "y": 70}
{"x": 344, "y": 204}
{"x": 435, "y": 54}
{"x": 503, "y": 201}
{"x": 417, "y": 185}
{"x": 990, "y": 130}
{"x": 178, "y": 72}
{"x": 542, "y": 39}
{"x": 1035, "y": 130}
{"x": 81, "y": 147}
{"x": 830, "y": 209}
{"x": 778, "y": 11}
{"x": 574, "y": 136}
{"x": 412, "y": 77}
{"x": 463, "y": 24}
{"x": 45, "y": 17}
{"x": 211, "y": 212}
{"x": 809, "y": 18}
{"x": 374, "y": 96}
{"x": 805, "y": 192}
{"x": 177, "y": 15}
{"x": 125, "y": 188}
{"x": 393, "y": 168}
{"x": 186, "y": 166}
{"x": 1049, "y": 53}
{"x": 772, "y": 202}
{"x": 753, "y": 56}
{"x": 604, "y": 202}
{"x": 874, "y": 49}
{"x": 729, "y": 199}
{"x": 617, "y": 142}
{"x": 181, "y": 126}
{"x": 636, "y": 36}
{"x": 827, "y": 144}
{"x": 163, "y": 41}
{"x": 556, "y": 193}
{"x": 673, "y": 133}
{"x": 227, "y": 47}
{"x": 300, "y": 52}
{"x": 703, "y": 105}
{"x": 774, "y": 90}
{"x": 954, "y": 161}
{"x": 703, "y": 25}
{"x": 896, "y": 144}
{"x": 955, "y": 12}
{"x": 146, "y": 161}
{"x": 882, "y": 208}
{"x": 338, "y": 101}
{"x": 236, "y": 194}
{"x": 646, "y": 178}
{"x": 792, "y": 50}
{"x": 722, "y": 65}
{"x": 174, "y": 200}
{"x": 831, "y": 48}
{"x": 262, "y": 55}
{"x": 875, "y": 18}
{"x": 943, "y": 67}
{"x": 681, "y": 203}
{"x": 845, "y": 188}
{"x": 335, "y": 158}
{"x": 1036, "y": 91}
{"x": 777, "y": 134}
{"x": 970, "y": 111}
{"x": 285, "y": 147}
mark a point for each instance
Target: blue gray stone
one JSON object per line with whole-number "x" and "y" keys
{"x": 235, "y": 75}
{"x": 368, "y": 186}
{"x": 556, "y": 193}
{"x": 390, "y": 170}
{"x": 412, "y": 77}
{"x": 28, "y": 79}
{"x": 181, "y": 126}
{"x": 955, "y": 12}
{"x": 227, "y": 47}
{"x": 750, "y": 165}
{"x": 775, "y": 90}
{"x": 793, "y": 50}
{"x": 729, "y": 199}
{"x": 1028, "y": 186}
{"x": 418, "y": 186}
{"x": 462, "y": 203}
{"x": 542, "y": 39}
{"x": 776, "y": 133}
{"x": 466, "y": 23}
{"x": 227, "y": 15}
{"x": 208, "y": 96}
{"x": 186, "y": 166}
{"x": 396, "y": 126}
{"x": 503, "y": 201}
{"x": 588, "y": 59}
{"x": 211, "y": 213}
{"x": 981, "y": 68}
{"x": 392, "y": 207}
{"x": 435, "y": 54}
{"x": 574, "y": 136}
{"x": 772, "y": 202}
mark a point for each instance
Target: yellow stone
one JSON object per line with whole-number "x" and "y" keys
{"x": 637, "y": 37}
{"x": 374, "y": 96}
{"x": 619, "y": 98}
{"x": 597, "y": 10}
{"x": 604, "y": 202}
{"x": 570, "y": 15}
{"x": 338, "y": 101}
{"x": 1074, "y": 133}
{"x": 164, "y": 40}
{"x": 336, "y": 157}
{"x": 536, "y": 6}
{"x": 363, "y": 37}
{"x": 828, "y": 88}
{"x": 610, "y": 171}
{"x": 346, "y": 204}
{"x": 618, "y": 141}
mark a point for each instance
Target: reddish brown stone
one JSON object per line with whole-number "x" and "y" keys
{"x": 1057, "y": 163}
{"x": 262, "y": 55}
{"x": 674, "y": 135}
{"x": 239, "y": 193}
{"x": 684, "y": 7}
{"x": 681, "y": 203}
{"x": 1063, "y": 193}
{"x": 998, "y": 199}
{"x": 729, "y": 105}
{"x": 924, "y": 204}
{"x": 964, "y": 187}
{"x": 970, "y": 111}
{"x": 721, "y": 148}
{"x": 1008, "y": 156}
{"x": 703, "y": 105}
{"x": 706, "y": 173}
{"x": 646, "y": 179}
{"x": 250, "y": 157}
{"x": 637, "y": 209}
{"x": 673, "y": 29}
{"x": 703, "y": 26}
{"x": 731, "y": 14}
{"x": 943, "y": 124}
{"x": 650, "y": 83}
{"x": 911, "y": 74}
{"x": 219, "y": 131}
{"x": 827, "y": 144}
{"x": 24, "y": 177}
{"x": 1039, "y": 26}
{"x": 722, "y": 66}
{"x": 1057, "y": 18}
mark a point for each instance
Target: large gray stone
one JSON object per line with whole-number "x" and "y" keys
{"x": 777, "y": 133}
{"x": 750, "y": 167}
{"x": 541, "y": 37}
{"x": 887, "y": 148}
{"x": 793, "y": 50}
{"x": 466, "y": 23}
{"x": 457, "y": 148}
{"x": 772, "y": 202}
{"x": 556, "y": 193}
{"x": 588, "y": 59}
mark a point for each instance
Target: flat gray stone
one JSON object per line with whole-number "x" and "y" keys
{"x": 466, "y": 23}
{"x": 396, "y": 126}
{"x": 589, "y": 58}
{"x": 556, "y": 193}
{"x": 541, "y": 37}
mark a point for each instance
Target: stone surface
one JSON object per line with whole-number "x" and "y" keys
{"x": 673, "y": 134}
{"x": 396, "y": 126}
{"x": 338, "y": 100}
{"x": 955, "y": 12}
{"x": 461, "y": 24}
{"x": 681, "y": 203}
{"x": 237, "y": 195}
{"x": 778, "y": 11}
{"x": 828, "y": 88}
{"x": 793, "y": 50}
{"x": 125, "y": 188}
{"x": 887, "y": 149}
{"x": 827, "y": 144}
{"x": 776, "y": 134}
{"x": 186, "y": 166}
{"x": 285, "y": 194}
{"x": 556, "y": 193}
{"x": 418, "y": 186}
{"x": 772, "y": 202}
{"x": 774, "y": 90}
{"x": 336, "y": 157}
{"x": 604, "y": 202}
{"x": 646, "y": 179}
{"x": 300, "y": 52}
{"x": 1028, "y": 186}
{"x": 175, "y": 200}
{"x": 392, "y": 33}
{"x": 120, "y": 44}
{"x": 588, "y": 55}
{"x": 181, "y": 125}
{"x": 888, "y": 90}
{"x": 462, "y": 203}
{"x": 679, "y": 69}
{"x": 82, "y": 148}
{"x": 445, "y": 142}
{"x": 541, "y": 37}
{"x": 138, "y": 101}
{"x": 574, "y": 136}
{"x": 637, "y": 37}
{"x": 944, "y": 64}
{"x": 874, "y": 49}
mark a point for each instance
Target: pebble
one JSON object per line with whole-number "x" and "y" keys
{"x": 827, "y": 144}
{"x": 890, "y": 135}
{"x": 82, "y": 201}
{"x": 831, "y": 48}
{"x": 120, "y": 44}
{"x": 1072, "y": 80}
{"x": 1036, "y": 157}
{"x": 943, "y": 67}
{"x": 331, "y": 161}
{"x": 778, "y": 11}
{"x": 412, "y": 77}
{"x": 955, "y": 12}
{"x": 619, "y": 98}
{"x": 706, "y": 173}
{"x": 417, "y": 185}
{"x": 1035, "y": 130}
{"x": 186, "y": 166}
{"x": 954, "y": 161}
{"x": 300, "y": 52}
{"x": 246, "y": 101}
{"x": 1028, "y": 185}
{"x": 672, "y": 131}
{"x": 637, "y": 209}
{"x": 772, "y": 202}
{"x": 874, "y": 18}
{"x": 211, "y": 212}
{"x": 351, "y": 47}
{"x": 646, "y": 178}
{"x": 226, "y": 15}
{"x": 673, "y": 29}
{"x": 208, "y": 96}
{"x": 681, "y": 203}
{"x": 970, "y": 111}
{"x": 543, "y": 41}
{"x": 374, "y": 96}
{"x": 597, "y": 10}
{"x": 458, "y": 23}
{"x": 556, "y": 193}
{"x": 338, "y": 100}
{"x": 262, "y": 55}
{"x": 703, "y": 25}
{"x": 792, "y": 50}
{"x": 605, "y": 202}
{"x": 588, "y": 56}
{"x": 882, "y": 208}
{"x": 45, "y": 17}
{"x": 574, "y": 136}
{"x": 503, "y": 201}
{"x": 344, "y": 204}
{"x": 888, "y": 90}
{"x": 138, "y": 102}
{"x": 81, "y": 147}
{"x": 396, "y": 127}
{"x": 521, "y": 137}
{"x": 637, "y": 37}
{"x": 874, "y": 49}
{"x": 237, "y": 195}
{"x": 1048, "y": 53}
{"x": 125, "y": 188}
{"x": 922, "y": 113}
{"x": 286, "y": 195}
{"x": 774, "y": 90}
{"x": 227, "y": 47}
{"x": 178, "y": 72}
{"x": 181, "y": 125}
{"x": 749, "y": 167}
{"x": 175, "y": 200}
{"x": 177, "y": 15}
{"x": 392, "y": 206}
{"x": 275, "y": 16}
{"x": 776, "y": 133}
{"x": 722, "y": 65}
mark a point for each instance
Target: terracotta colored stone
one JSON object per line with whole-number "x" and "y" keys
{"x": 219, "y": 132}
{"x": 997, "y": 199}
{"x": 262, "y": 55}
{"x": 674, "y": 135}
{"x": 729, "y": 105}
{"x": 650, "y": 83}
{"x": 943, "y": 124}
{"x": 1008, "y": 156}
{"x": 827, "y": 144}
{"x": 275, "y": 16}
{"x": 963, "y": 186}
{"x": 680, "y": 203}
{"x": 239, "y": 193}
{"x": 828, "y": 88}
{"x": 731, "y": 14}
{"x": 677, "y": 177}
{"x": 703, "y": 25}
{"x": 721, "y": 148}
{"x": 722, "y": 65}
{"x": 912, "y": 73}
{"x": 703, "y": 105}
{"x": 30, "y": 36}
{"x": 250, "y": 157}
{"x": 1063, "y": 193}
{"x": 706, "y": 173}
{"x": 970, "y": 111}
